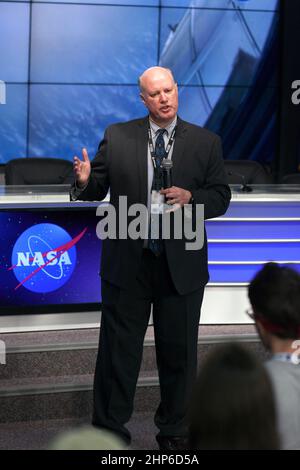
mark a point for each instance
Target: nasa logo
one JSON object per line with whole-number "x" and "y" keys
{"x": 44, "y": 257}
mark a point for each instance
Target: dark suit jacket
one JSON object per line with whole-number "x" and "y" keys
{"x": 121, "y": 165}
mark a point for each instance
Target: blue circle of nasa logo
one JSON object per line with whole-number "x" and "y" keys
{"x": 43, "y": 258}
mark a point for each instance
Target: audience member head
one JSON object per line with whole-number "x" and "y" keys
{"x": 233, "y": 404}
{"x": 87, "y": 438}
{"x": 274, "y": 295}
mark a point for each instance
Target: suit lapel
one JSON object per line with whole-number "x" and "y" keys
{"x": 142, "y": 158}
{"x": 178, "y": 151}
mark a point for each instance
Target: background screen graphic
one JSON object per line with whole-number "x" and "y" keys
{"x": 44, "y": 230}
{"x": 71, "y": 69}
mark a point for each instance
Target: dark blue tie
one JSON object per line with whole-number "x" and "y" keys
{"x": 160, "y": 150}
{"x": 159, "y": 154}
{"x": 156, "y": 244}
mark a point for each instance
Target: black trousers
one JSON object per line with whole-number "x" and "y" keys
{"x": 125, "y": 317}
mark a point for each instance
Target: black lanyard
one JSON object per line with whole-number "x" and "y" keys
{"x": 151, "y": 146}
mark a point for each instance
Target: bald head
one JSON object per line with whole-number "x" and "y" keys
{"x": 154, "y": 73}
{"x": 159, "y": 94}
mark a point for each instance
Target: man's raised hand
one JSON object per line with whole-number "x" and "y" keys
{"x": 82, "y": 169}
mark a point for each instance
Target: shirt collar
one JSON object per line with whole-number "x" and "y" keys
{"x": 292, "y": 358}
{"x": 154, "y": 127}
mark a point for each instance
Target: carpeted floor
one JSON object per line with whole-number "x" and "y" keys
{"x": 36, "y": 435}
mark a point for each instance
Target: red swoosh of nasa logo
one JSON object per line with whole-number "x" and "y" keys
{"x": 60, "y": 249}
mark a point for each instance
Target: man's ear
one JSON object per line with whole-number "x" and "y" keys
{"x": 260, "y": 328}
{"x": 143, "y": 99}
{"x": 263, "y": 334}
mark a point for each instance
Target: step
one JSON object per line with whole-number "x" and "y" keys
{"x": 17, "y": 386}
{"x": 37, "y": 435}
{"x": 43, "y": 398}
{"x": 32, "y": 387}
{"x": 74, "y": 352}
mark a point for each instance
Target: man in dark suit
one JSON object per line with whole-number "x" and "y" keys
{"x": 137, "y": 273}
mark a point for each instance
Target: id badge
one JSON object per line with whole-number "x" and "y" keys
{"x": 157, "y": 202}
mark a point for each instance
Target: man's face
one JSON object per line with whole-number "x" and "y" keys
{"x": 160, "y": 95}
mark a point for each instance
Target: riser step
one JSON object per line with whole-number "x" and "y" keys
{"x": 24, "y": 363}
{"x": 66, "y": 403}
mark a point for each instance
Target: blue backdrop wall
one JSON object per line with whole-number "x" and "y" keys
{"x": 71, "y": 69}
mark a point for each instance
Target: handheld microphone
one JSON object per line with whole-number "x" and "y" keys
{"x": 244, "y": 186}
{"x": 167, "y": 166}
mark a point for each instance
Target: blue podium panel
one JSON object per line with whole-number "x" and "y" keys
{"x": 247, "y": 229}
{"x": 237, "y": 273}
{"x": 257, "y": 228}
{"x": 263, "y": 209}
{"x": 50, "y": 259}
{"x": 249, "y": 251}
{"x": 50, "y": 253}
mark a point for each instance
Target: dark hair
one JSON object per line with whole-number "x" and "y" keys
{"x": 274, "y": 293}
{"x": 233, "y": 403}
